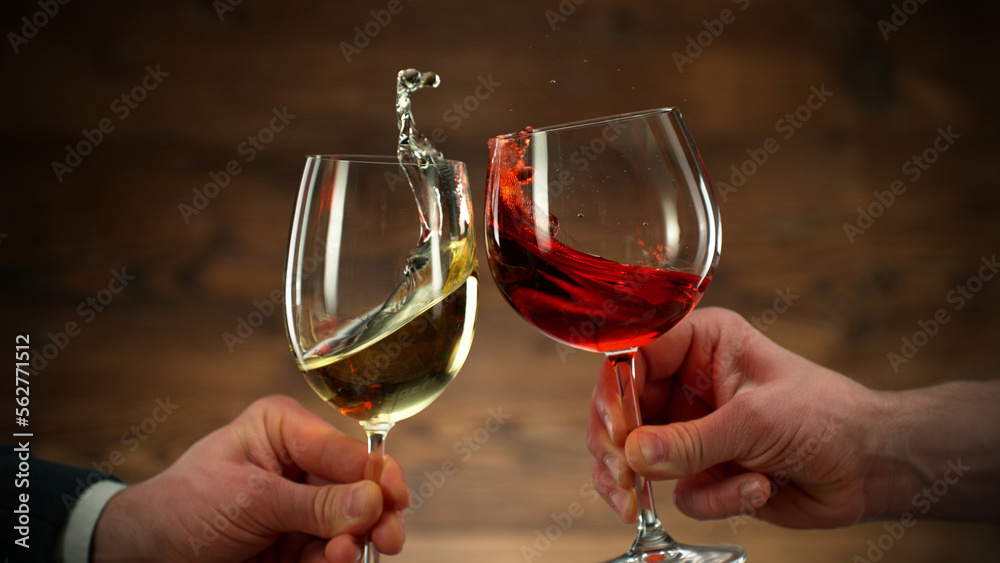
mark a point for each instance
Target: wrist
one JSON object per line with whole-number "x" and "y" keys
{"x": 894, "y": 470}
{"x": 119, "y": 534}
{"x": 75, "y": 537}
{"x": 937, "y": 453}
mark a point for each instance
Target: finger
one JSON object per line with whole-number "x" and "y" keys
{"x": 393, "y": 484}
{"x": 705, "y": 342}
{"x": 311, "y": 552}
{"x": 388, "y": 534}
{"x": 609, "y": 459}
{"x": 618, "y": 495}
{"x": 611, "y": 475}
{"x": 295, "y": 547}
{"x": 280, "y": 428}
{"x": 665, "y": 355}
{"x": 317, "y": 481}
{"x": 343, "y": 549}
{"x": 685, "y": 448}
{"x": 606, "y": 405}
{"x": 323, "y": 512}
{"x": 705, "y": 497}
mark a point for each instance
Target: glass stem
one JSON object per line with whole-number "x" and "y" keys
{"x": 373, "y": 472}
{"x": 651, "y": 535}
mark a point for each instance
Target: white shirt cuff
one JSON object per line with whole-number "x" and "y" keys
{"x": 73, "y": 545}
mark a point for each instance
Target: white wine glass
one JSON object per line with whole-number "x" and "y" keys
{"x": 380, "y": 287}
{"x": 604, "y": 234}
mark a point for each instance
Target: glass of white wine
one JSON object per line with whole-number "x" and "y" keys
{"x": 381, "y": 287}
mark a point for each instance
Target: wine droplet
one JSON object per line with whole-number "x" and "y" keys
{"x": 413, "y": 146}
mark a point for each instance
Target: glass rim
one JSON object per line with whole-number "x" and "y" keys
{"x": 591, "y": 122}
{"x": 370, "y": 159}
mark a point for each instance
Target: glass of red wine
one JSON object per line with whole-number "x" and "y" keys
{"x": 604, "y": 234}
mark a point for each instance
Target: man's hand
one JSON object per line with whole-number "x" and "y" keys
{"x": 278, "y": 483}
{"x": 746, "y": 426}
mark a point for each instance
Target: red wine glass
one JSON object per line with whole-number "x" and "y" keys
{"x": 604, "y": 234}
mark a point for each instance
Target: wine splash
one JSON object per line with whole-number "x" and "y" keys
{"x": 413, "y": 147}
{"x": 577, "y": 298}
{"x": 440, "y": 195}
{"x": 403, "y": 371}
{"x": 433, "y": 308}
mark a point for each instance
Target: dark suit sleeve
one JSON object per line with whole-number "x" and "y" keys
{"x": 52, "y": 489}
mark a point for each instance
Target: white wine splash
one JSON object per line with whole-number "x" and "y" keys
{"x": 398, "y": 358}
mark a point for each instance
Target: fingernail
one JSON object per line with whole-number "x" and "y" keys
{"x": 651, "y": 447}
{"x": 608, "y": 424}
{"x": 360, "y": 556}
{"x": 620, "y": 502}
{"x": 615, "y": 466}
{"x": 753, "y": 494}
{"x": 356, "y": 501}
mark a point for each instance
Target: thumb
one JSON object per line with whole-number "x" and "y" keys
{"x": 325, "y": 511}
{"x": 683, "y": 448}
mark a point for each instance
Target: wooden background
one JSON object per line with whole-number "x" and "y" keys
{"x": 196, "y": 278}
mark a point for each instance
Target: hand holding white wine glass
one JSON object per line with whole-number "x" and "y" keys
{"x": 380, "y": 296}
{"x": 381, "y": 286}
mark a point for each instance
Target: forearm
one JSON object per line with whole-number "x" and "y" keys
{"x": 942, "y": 452}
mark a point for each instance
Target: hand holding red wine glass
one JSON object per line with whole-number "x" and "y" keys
{"x": 604, "y": 234}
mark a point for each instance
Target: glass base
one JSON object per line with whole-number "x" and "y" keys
{"x": 680, "y": 553}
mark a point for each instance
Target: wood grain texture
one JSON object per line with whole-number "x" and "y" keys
{"x": 196, "y": 277}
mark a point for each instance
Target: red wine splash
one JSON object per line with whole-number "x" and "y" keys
{"x": 577, "y": 298}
